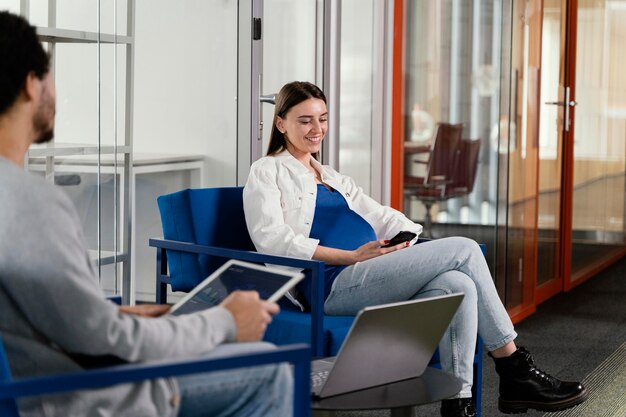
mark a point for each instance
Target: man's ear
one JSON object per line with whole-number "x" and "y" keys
{"x": 32, "y": 86}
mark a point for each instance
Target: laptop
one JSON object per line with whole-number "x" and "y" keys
{"x": 386, "y": 343}
{"x": 270, "y": 283}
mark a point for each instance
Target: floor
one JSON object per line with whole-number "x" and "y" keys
{"x": 569, "y": 336}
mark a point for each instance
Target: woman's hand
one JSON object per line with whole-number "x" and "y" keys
{"x": 367, "y": 251}
{"x": 374, "y": 249}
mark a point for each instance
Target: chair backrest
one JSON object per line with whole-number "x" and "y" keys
{"x": 444, "y": 151}
{"x": 467, "y": 165}
{"x": 205, "y": 216}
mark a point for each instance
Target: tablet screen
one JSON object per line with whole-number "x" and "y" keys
{"x": 235, "y": 276}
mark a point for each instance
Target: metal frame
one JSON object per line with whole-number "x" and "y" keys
{"x": 249, "y": 88}
{"x": 331, "y": 62}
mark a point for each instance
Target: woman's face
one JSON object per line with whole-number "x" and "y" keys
{"x": 304, "y": 127}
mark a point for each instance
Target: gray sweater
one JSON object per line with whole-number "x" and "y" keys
{"x": 51, "y": 309}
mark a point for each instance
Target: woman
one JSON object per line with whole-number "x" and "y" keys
{"x": 296, "y": 207}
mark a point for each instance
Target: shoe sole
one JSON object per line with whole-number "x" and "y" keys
{"x": 518, "y": 407}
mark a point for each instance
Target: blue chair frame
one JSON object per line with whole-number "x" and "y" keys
{"x": 11, "y": 389}
{"x": 179, "y": 203}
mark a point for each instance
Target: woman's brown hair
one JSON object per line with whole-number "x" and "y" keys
{"x": 290, "y": 95}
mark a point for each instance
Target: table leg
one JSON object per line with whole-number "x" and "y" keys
{"x": 323, "y": 413}
{"x": 402, "y": 412}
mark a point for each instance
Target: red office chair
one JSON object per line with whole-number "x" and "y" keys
{"x": 441, "y": 165}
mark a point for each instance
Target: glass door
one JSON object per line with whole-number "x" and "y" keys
{"x": 277, "y": 43}
{"x": 324, "y": 42}
{"x": 582, "y": 142}
{"x": 289, "y": 52}
{"x": 598, "y": 138}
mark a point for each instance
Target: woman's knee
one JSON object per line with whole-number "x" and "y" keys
{"x": 464, "y": 243}
{"x": 455, "y": 282}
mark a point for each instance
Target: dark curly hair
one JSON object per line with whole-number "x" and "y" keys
{"x": 20, "y": 53}
{"x": 290, "y": 95}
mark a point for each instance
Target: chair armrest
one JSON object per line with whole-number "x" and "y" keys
{"x": 298, "y": 354}
{"x": 316, "y": 267}
{"x": 115, "y": 299}
{"x": 242, "y": 255}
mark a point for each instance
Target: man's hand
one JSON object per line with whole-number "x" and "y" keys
{"x": 252, "y": 315}
{"x": 145, "y": 310}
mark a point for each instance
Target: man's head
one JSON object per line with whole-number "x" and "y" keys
{"x": 25, "y": 75}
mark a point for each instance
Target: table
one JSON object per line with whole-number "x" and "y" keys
{"x": 400, "y": 397}
{"x": 151, "y": 175}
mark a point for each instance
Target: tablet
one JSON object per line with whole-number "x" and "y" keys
{"x": 270, "y": 283}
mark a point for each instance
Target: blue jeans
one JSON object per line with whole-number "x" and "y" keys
{"x": 442, "y": 266}
{"x": 256, "y": 391}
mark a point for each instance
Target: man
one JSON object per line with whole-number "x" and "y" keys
{"x": 53, "y": 316}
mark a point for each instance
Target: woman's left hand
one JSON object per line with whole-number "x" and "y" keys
{"x": 364, "y": 252}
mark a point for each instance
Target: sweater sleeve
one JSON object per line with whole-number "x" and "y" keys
{"x": 53, "y": 283}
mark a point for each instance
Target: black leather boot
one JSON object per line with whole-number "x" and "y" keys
{"x": 458, "y": 407}
{"x": 524, "y": 386}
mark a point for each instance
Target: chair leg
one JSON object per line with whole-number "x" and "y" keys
{"x": 428, "y": 219}
{"x": 477, "y": 386}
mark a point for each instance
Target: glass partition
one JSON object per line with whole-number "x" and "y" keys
{"x": 453, "y": 116}
{"x": 599, "y": 168}
{"x": 88, "y": 43}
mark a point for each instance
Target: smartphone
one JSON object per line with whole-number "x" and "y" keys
{"x": 399, "y": 238}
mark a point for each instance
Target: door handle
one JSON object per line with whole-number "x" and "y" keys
{"x": 268, "y": 98}
{"x": 561, "y": 103}
{"x": 566, "y": 103}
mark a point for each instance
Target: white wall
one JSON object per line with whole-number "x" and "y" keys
{"x": 186, "y": 82}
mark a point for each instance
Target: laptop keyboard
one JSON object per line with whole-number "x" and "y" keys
{"x": 318, "y": 378}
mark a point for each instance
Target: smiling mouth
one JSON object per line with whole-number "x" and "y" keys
{"x": 316, "y": 139}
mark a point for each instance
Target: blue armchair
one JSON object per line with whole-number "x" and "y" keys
{"x": 203, "y": 228}
{"x": 11, "y": 389}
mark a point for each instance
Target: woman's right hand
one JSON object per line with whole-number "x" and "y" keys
{"x": 374, "y": 249}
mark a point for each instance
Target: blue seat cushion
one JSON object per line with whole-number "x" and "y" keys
{"x": 295, "y": 327}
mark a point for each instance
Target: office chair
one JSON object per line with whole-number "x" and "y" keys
{"x": 205, "y": 227}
